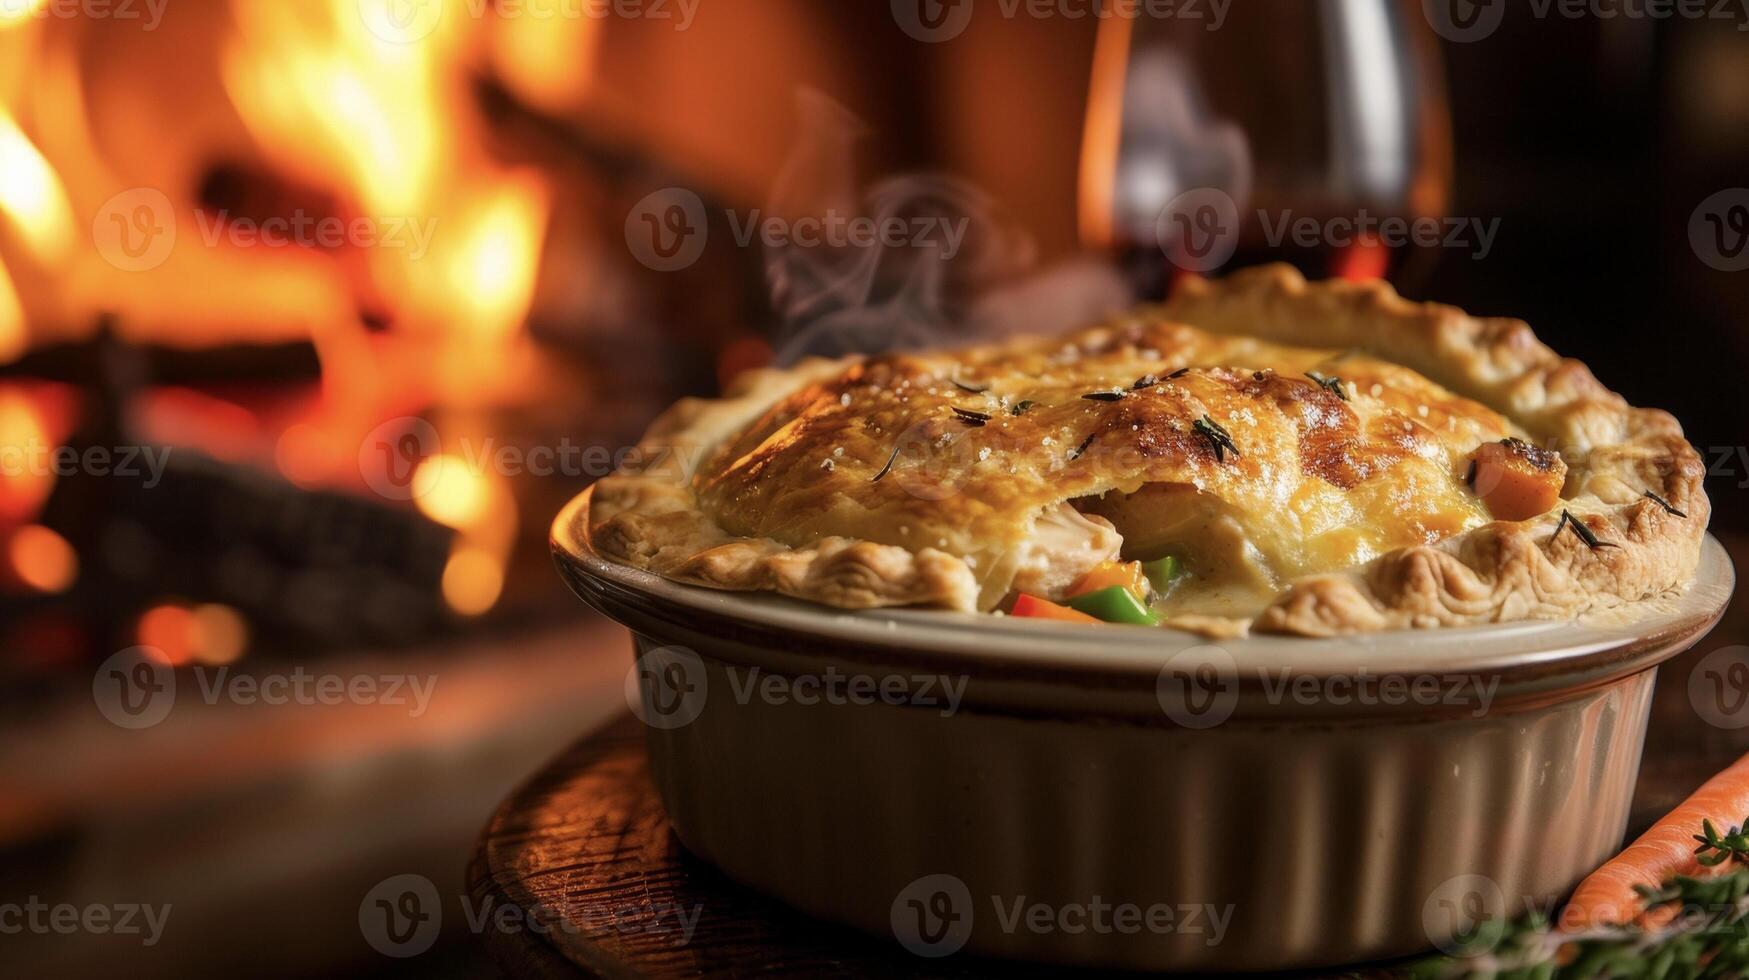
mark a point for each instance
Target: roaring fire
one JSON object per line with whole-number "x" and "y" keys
{"x": 342, "y": 114}
{"x": 334, "y": 111}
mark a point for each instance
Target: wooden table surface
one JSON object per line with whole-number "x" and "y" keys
{"x": 586, "y": 851}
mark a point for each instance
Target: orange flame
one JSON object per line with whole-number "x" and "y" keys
{"x": 31, "y": 196}
{"x": 15, "y": 13}
{"x": 12, "y": 330}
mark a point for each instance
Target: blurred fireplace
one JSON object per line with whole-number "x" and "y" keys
{"x": 282, "y": 286}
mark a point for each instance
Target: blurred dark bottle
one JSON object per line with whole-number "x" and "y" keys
{"x": 1314, "y": 132}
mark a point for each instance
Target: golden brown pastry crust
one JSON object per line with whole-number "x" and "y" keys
{"x": 858, "y": 484}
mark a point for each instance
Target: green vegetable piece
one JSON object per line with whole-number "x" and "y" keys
{"x": 1115, "y": 605}
{"x": 1162, "y": 572}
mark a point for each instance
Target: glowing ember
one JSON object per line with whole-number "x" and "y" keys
{"x": 219, "y": 633}
{"x": 211, "y": 634}
{"x": 472, "y": 581}
{"x": 169, "y": 629}
{"x": 43, "y": 559}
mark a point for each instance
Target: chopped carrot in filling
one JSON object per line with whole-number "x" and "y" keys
{"x": 1032, "y": 607}
{"x": 1114, "y": 574}
{"x": 1517, "y": 480}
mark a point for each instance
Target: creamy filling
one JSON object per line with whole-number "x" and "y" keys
{"x": 1226, "y": 575}
{"x": 1065, "y": 545}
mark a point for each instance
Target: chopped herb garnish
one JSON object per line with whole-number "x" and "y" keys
{"x": 1715, "y": 848}
{"x": 1021, "y": 408}
{"x": 1668, "y": 508}
{"x": 1331, "y": 384}
{"x": 1691, "y": 926}
{"x": 1219, "y": 440}
{"x": 976, "y": 420}
{"x": 1081, "y": 450}
{"x": 1579, "y": 528}
{"x": 894, "y": 458}
{"x": 1181, "y": 372}
{"x": 1145, "y": 381}
{"x": 974, "y": 389}
{"x": 1104, "y": 396}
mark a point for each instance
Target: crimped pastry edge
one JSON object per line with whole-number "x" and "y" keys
{"x": 647, "y": 516}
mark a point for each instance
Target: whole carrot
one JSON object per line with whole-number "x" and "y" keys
{"x": 1608, "y": 896}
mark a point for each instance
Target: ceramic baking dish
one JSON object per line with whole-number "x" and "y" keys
{"x": 1137, "y": 798}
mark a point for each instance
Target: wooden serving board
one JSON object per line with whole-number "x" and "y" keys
{"x": 586, "y": 849}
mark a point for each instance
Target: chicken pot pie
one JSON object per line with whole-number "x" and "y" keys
{"x": 1260, "y": 452}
